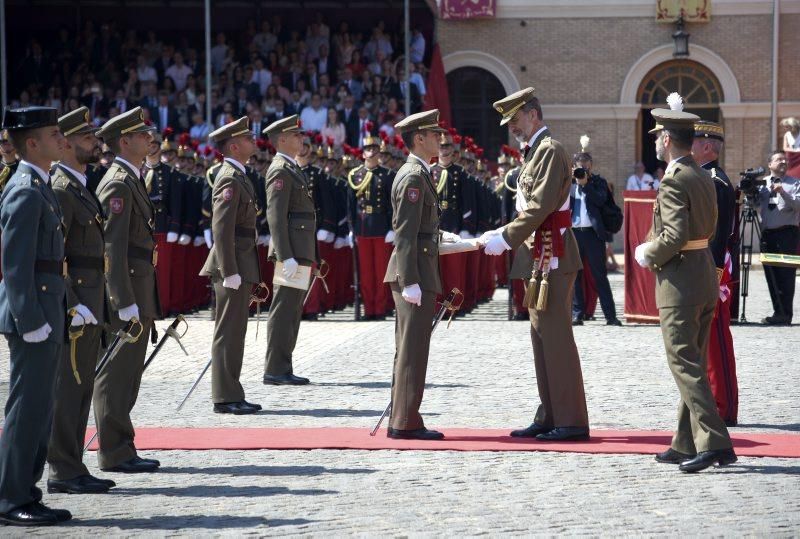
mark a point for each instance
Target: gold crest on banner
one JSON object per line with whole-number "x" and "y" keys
{"x": 669, "y": 11}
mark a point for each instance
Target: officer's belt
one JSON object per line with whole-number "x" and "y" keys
{"x": 426, "y": 236}
{"x": 695, "y": 245}
{"x": 373, "y": 210}
{"x": 140, "y": 253}
{"x": 56, "y": 267}
{"x": 244, "y": 232}
{"x": 86, "y": 262}
{"x": 302, "y": 215}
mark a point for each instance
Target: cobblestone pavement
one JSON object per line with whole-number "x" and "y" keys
{"x": 480, "y": 375}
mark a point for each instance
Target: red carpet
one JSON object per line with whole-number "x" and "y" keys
{"x": 603, "y": 441}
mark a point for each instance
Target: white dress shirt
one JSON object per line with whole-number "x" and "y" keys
{"x": 42, "y": 174}
{"x": 81, "y": 177}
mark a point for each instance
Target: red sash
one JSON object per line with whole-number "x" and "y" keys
{"x": 554, "y": 223}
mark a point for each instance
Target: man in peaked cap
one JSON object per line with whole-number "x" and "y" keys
{"x": 32, "y": 312}
{"x": 87, "y": 301}
{"x": 413, "y": 272}
{"x": 292, "y": 222}
{"x": 684, "y": 219}
{"x": 543, "y": 188}
{"x": 709, "y": 138}
{"x": 232, "y": 264}
{"x": 132, "y": 287}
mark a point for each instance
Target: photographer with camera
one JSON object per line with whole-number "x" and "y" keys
{"x": 779, "y": 203}
{"x": 587, "y": 197}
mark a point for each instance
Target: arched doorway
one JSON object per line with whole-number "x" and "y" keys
{"x": 697, "y": 85}
{"x": 472, "y": 92}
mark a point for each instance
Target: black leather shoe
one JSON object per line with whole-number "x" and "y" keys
{"x": 565, "y": 434}
{"x": 530, "y": 432}
{"x": 416, "y": 434}
{"x": 28, "y": 515}
{"x": 141, "y": 459}
{"x": 577, "y": 321}
{"x": 522, "y": 316}
{"x": 704, "y": 459}
{"x": 731, "y": 423}
{"x": 613, "y": 322}
{"x": 134, "y": 465}
{"x": 107, "y": 482}
{"x": 311, "y": 317}
{"x": 256, "y": 407}
{"x": 670, "y": 456}
{"x": 62, "y": 515}
{"x": 777, "y": 321}
{"x": 235, "y": 408}
{"x": 285, "y": 380}
{"x": 83, "y": 484}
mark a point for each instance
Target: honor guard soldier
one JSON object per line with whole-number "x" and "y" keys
{"x": 292, "y": 222}
{"x": 232, "y": 265}
{"x": 32, "y": 313}
{"x": 543, "y": 188}
{"x": 687, "y": 288}
{"x": 86, "y": 299}
{"x": 343, "y": 289}
{"x": 132, "y": 288}
{"x": 709, "y": 138}
{"x": 413, "y": 272}
{"x": 370, "y": 215}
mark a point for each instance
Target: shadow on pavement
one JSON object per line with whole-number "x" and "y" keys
{"x": 324, "y": 412}
{"x": 764, "y": 470}
{"x": 382, "y": 385}
{"x": 220, "y": 491}
{"x": 791, "y": 426}
{"x": 260, "y": 470}
{"x": 181, "y": 522}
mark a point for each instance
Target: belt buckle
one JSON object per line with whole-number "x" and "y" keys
{"x": 98, "y": 219}
{"x": 443, "y": 205}
{"x": 106, "y": 264}
{"x": 155, "y": 257}
{"x": 369, "y": 209}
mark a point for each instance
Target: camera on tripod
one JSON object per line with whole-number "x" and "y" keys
{"x": 751, "y": 181}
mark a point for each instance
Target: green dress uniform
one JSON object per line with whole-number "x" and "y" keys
{"x": 234, "y": 212}
{"x": 292, "y": 222}
{"x": 131, "y": 279}
{"x": 32, "y": 294}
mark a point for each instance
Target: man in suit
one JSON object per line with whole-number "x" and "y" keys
{"x": 292, "y": 223}
{"x": 32, "y": 313}
{"x": 86, "y": 300}
{"x": 708, "y": 140}
{"x": 132, "y": 287}
{"x": 349, "y": 117}
{"x": 684, "y": 219}
{"x": 232, "y": 265}
{"x": 543, "y": 188}
{"x": 353, "y": 86}
{"x": 165, "y": 115}
{"x": 257, "y": 122}
{"x": 413, "y": 273}
{"x": 589, "y": 194}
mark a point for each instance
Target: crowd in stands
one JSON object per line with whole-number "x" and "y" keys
{"x": 335, "y": 80}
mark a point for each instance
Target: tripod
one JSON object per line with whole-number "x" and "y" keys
{"x": 749, "y": 227}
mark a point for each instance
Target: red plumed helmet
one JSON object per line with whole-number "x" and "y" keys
{"x": 469, "y": 141}
{"x": 369, "y": 125}
{"x": 329, "y": 141}
{"x": 442, "y": 124}
{"x": 261, "y": 143}
{"x": 317, "y": 137}
{"x": 168, "y": 132}
{"x": 184, "y": 139}
{"x": 457, "y": 139}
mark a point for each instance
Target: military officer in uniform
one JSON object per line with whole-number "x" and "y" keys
{"x": 684, "y": 219}
{"x": 543, "y": 188}
{"x": 292, "y": 222}
{"x": 708, "y": 140}
{"x": 413, "y": 272}
{"x": 86, "y": 299}
{"x": 132, "y": 288}
{"x": 32, "y": 313}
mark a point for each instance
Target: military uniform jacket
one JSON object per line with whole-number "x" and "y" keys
{"x": 415, "y": 258}
{"x": 234, "y": 226}
{"x": 30, "y": 223}
{"x": 321, "y": 192}
{"x": 545, "y": 181}
{"x": 192, "y": 206}
{"x": 369, "y": 203}
{"x": 6, "y": 171}
{"x": 290, "y": 212}
{"x": 164, "y": 188}
{"x": 84, "y": 246}
{"x": 130, "y": 245}
{"x": 341, "y": 195}
{"x": 685, "y": 209}
{"x": 726, "y": 213}
{"x": 456, "y": 198}
{"x": 257, "y": 181}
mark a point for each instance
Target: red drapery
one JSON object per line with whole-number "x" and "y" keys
{"x": 793, "y": 160}
{"x": 640, "y": 283}
{"x": 437, "y": 96}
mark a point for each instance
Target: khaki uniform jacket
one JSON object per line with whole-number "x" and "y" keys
{"x": 233, "y": 224}
{"x": 130, "y": 244}
{"x": 84, "y": 245}
{"x": 685, "y": 209}
{"x": 545, "y": 181}
{"x": 415, "y": 220}
{"x": 290, "y": 214}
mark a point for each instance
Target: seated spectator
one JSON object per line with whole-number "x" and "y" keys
{"x": 417, "y": 46}
{"x": 334, "y": 128}
{"x": 262, "y": 77}
{"x": 218, "y": 54}
{"x": 265, "y": 40}
{"x": 356, "y": 64}
{"x": 315, "y": 115}
{"x": 376, "y": 66}
{"x": 294, "y": 106}
{"x": 178, "y": 72}
{"x": 144, "y": 71}
{"x": 344, "y": 49}
{"x": 303, "y": 93}
{"x": 640, "y": 180}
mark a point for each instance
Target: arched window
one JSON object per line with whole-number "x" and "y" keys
{"x": 472, "y": 92}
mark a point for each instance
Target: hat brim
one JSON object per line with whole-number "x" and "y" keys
{"x": 657, "y": 129}
{"x": 83, "y": 130}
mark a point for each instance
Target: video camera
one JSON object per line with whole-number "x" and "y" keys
{"x": 579, "y": 173}
{"x": 751, "y": 181}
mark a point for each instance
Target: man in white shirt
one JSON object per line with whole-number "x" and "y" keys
{"x": 261, "y": 76}
{"x": 417, "y": 46}
{"x": 179, "y": 72}
{"x": 218, "y": 54}
{"x": 640, "y": 180}
{"x": 313, "y": 117}
{"x": 145, "y": 72}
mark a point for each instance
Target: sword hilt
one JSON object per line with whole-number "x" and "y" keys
{"x": 260, "y": 294}
{"x": 453, "y": 303}
{"x": 128, "y": 336}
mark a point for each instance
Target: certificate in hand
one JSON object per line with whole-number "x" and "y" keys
{"x": 301, "y": 279}
{"x": 462, "y": 246}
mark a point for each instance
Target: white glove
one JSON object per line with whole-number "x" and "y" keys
{"x": 322, "y": 235}
{"x": 263, "y": 240}
{"x": 413, "y": 294}
{"x": 268, "y": 239}
{"x": 449, "y": 237}
{"x": 496, "y": 245}
{"x": 37, "y": 335}
{"x": 330, "y": 238}
{"x": 185, "y": 239}
{"x": 232, "y": 281}
{"x": 389, "y": 237}
{"x": 290, "y": 268}
{"x": 83, "y": 316}
{"x": 489, "y": 234}
{"x": 465, "y": 235}
{"x": 351, "y": 240}
{"x": 638, "y": 254}
{"x": 198, "y": 241}
{"x": 340, "y": 243}
{"x": 208, "y": 237}
{"x": 172, "y": 237}
{"x": 131, "y": 311}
